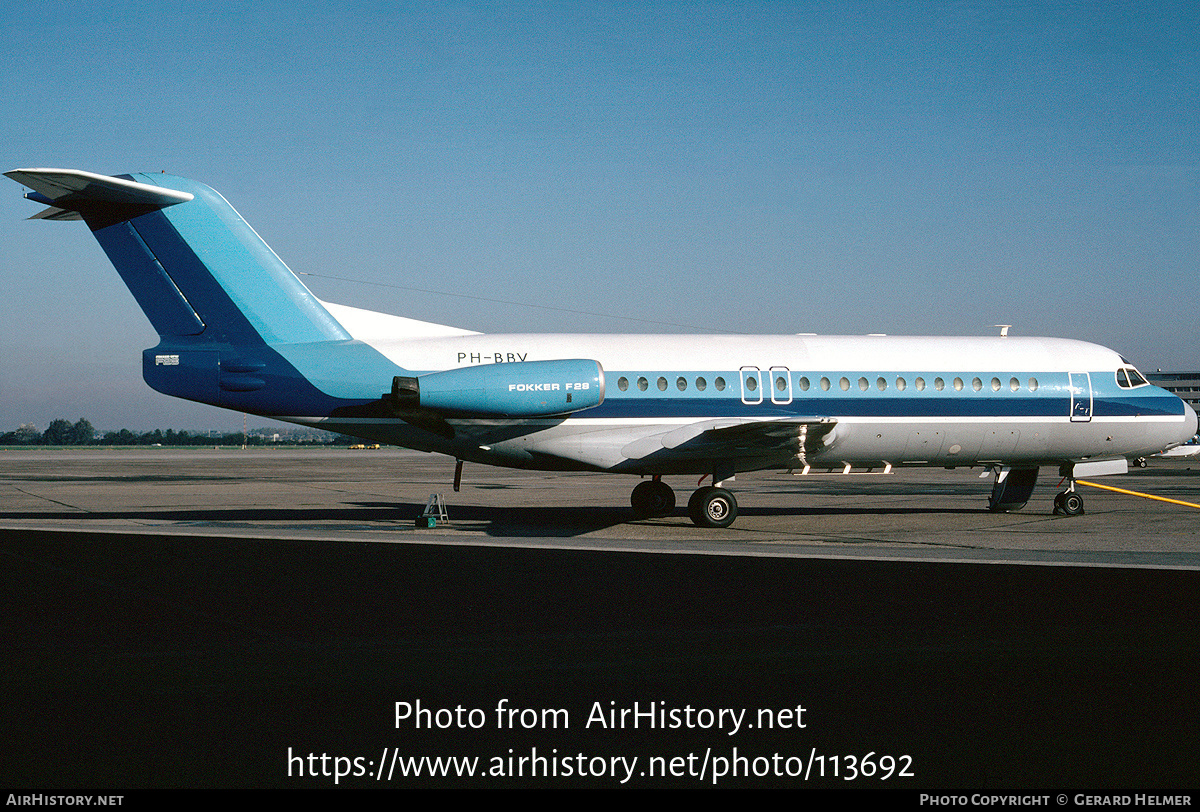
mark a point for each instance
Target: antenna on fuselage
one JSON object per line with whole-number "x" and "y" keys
{"x": 1003, "y": 329}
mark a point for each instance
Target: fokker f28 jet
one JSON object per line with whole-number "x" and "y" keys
{"x": 239, "y": 330}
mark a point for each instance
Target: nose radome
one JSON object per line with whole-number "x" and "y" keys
{"x": 1190, "y": 427}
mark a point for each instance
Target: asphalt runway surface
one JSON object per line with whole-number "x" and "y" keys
{"x": 261, "y": 618}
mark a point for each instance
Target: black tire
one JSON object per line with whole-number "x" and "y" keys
{"x": 712, "y": 507}
{"x": 652, "y": 498}
{"x": 1072, "y": 504}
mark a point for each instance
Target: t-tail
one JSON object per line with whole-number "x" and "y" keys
{"x": 237, "y": 328}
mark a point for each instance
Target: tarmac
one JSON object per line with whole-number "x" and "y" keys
{"x": 375, "y": 495}
{"x": 273, "y": 617}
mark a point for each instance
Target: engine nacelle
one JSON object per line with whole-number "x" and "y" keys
{"x": 518, "y": 389}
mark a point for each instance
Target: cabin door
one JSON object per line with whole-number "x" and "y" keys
{"x": 1081, "y": 397}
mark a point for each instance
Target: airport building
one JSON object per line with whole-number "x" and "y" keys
{"x": 1184, "y": 385}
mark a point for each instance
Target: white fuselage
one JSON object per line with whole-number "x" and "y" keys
{"x": 898, "y": 400}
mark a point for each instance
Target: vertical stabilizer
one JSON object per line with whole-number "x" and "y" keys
{"x": 238, "y": 329}
{"x": 193, "y": 264}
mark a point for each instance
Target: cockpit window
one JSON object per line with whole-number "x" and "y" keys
{"x": 1129, "y": 378}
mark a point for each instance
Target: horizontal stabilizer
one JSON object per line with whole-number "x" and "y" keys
{"x": 73, "y": 194}
{"x": 66, "y": 185}
{"x": 55, "y": 213}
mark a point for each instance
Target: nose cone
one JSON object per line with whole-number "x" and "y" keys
{"x": 1190, "y": 428}
{"x": 1180, "y": 429}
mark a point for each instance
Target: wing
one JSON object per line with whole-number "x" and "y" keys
{"x": 736, "y": 438}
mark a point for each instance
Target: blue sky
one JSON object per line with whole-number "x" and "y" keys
{"x": 906, "y": 168}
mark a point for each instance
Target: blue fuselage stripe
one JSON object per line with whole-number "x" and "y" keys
{"x": 920, "y": 406}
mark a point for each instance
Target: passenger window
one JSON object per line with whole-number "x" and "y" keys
{"x": 958, "y": 384}
{"x": 1033, "y": 384}
{"x": 781, "y": 384}
{"x": 845, "y": 384}
{"x": 976, "y": 384}
{"x": 751, "y": 383}
{"x": 881, "y": 383}
{"x": 825, "y": 384}
{"x": 720, "y": 384}
{"x": 1014, "y": 384}
{"x": 622, "y": 383}
{"x": 939, "y": 384}
{"x": 804, "y": 384}
{"x": 643, "y": 384}
{"x": 863, "y": 384}
{"x": 662, "y": 384}
{"x": 995, "y": 384}
{"x": 901, "y": 384}
{"x": 681, "y": 384}
{"x": 701, "y": 384}
{"x": 920, "y": 384}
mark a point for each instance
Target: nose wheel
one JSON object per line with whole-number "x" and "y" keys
{"x": 1068, "y": 503}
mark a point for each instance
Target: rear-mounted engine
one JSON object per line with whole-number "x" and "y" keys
{"x": 522, "y": 389}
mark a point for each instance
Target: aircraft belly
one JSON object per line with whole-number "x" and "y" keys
{"x": 391, "y": 432}
{"x": 911, "y": 443}
{"x": 969, "y": 443}
{"x": 595, "y": 448}
{"x": 567, "y": 445}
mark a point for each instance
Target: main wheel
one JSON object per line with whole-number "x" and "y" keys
{"x": 712, "y": 507}
{"x": 651, "y": 498}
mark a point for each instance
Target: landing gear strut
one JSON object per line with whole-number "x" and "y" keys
{"x": 1068, "y": 503}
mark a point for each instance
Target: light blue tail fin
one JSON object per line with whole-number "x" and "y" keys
{"x": 238, "y": 328}
{"x": 191, "y": 261}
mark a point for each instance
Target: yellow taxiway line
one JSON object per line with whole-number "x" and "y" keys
{"x": 1136, "y": 493}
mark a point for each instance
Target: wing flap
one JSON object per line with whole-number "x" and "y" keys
{"x": 735, "y": 437}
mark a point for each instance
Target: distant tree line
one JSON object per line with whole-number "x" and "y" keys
{"x": 59, "y": 432}
{"x": 63, "y": 432}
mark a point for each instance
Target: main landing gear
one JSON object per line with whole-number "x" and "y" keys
{"x": 652, "y": 498}
{"x": 712, "y": 507}
{"x": 709, "y": 506}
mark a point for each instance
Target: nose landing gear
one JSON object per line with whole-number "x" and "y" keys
{"x": 1068, "y": 503}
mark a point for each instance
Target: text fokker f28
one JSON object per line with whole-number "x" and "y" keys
{"x": 239, "y": 330}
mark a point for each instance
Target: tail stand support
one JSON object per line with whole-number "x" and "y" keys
{"x": 435, "y": 511}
